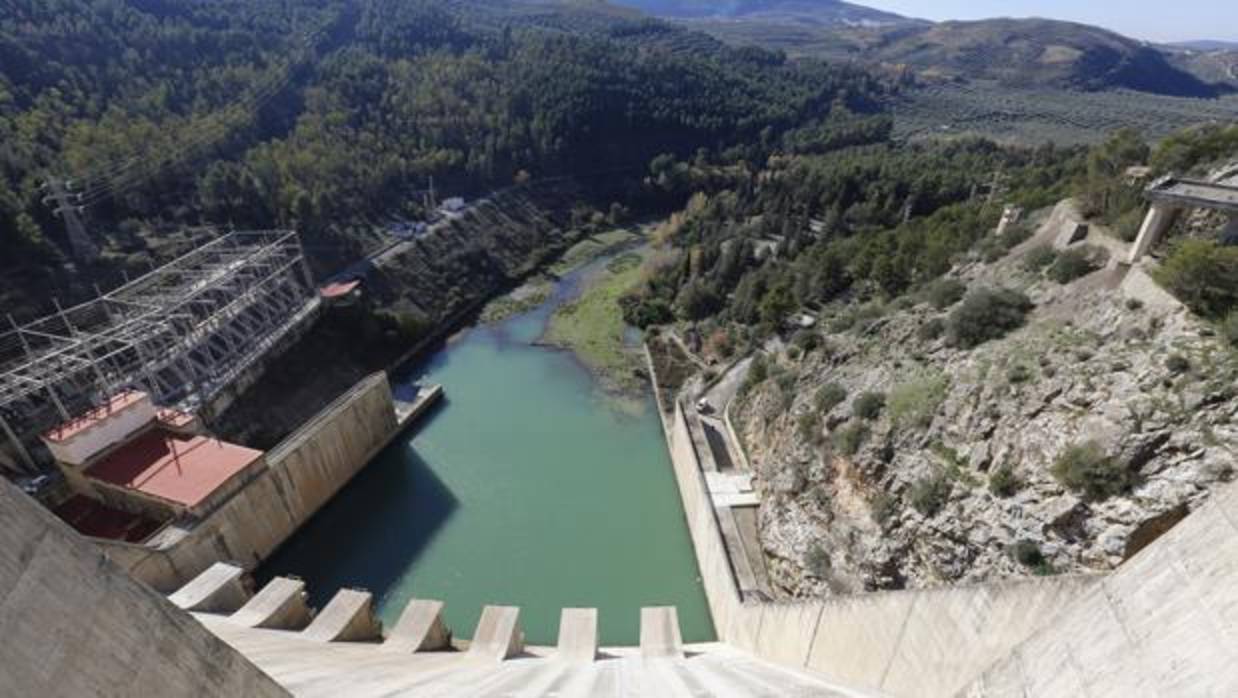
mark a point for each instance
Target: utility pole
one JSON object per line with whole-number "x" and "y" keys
{"x": 60, "y": 195}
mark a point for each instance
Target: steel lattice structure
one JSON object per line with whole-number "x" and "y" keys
{"x": 182, "y": 333}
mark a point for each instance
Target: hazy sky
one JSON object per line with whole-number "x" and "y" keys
{"x": 1144, "y": 19}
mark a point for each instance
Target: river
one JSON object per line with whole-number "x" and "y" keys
{"x": 529, "y": 486}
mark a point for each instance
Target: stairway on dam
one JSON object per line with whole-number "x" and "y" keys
{"x": 342, "y": 650}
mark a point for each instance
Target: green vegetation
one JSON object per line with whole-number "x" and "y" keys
{"x": 593, "y": 326}
{"x": 830, "y": 395}
{"x": 850, "y": 438}
{"x": 1071, "y": 265}
{"x": 817, "y": 561}
{"x": 224, "y": 113}
{"x": 1039, "y": 258}
{"x": 931, "y": 330}
{"x": 914, "y": 404}
{"x": 1177, "y": 364}
{"x": 1087, "y": 469}
{"x": 929, "y": 495}
{"x": 1004, "y": 481}
{"x": 1229, "y": 328}
{"x": 944, "y": 293}
{"x": 883, "y": 507}
{"x": 868, "y": 406}
{"x": 987, "y": 314}
{"x": 1019, "y": 374}
{"x": 1204, "y": 275}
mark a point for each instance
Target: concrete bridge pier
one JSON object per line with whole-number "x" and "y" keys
{"x": 1159, "y": 219}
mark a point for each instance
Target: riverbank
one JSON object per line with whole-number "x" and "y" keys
{"x": 592, "y": 326}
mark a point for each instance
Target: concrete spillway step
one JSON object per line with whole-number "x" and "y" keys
{"x": 498, "y": 635}
{"x": 419, "y": 629}
{"x": 348, "y": 617}
{"x": 659, "y": 632}
{"x": 219, "y": 589}
{"x": 578, "y": 635}
{"x": 281, "y": 604}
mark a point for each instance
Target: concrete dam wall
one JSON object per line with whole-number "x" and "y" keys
{"x": 1164, "y": 624}
{"x": 303, "y": 472}
{"x": 902, "y": 643}
{"x": 74, "y": 624}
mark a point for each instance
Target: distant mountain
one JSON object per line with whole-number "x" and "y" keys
{"x": 1033, "y": 53}
{"x": 1206, "y": 45}
{"x": 1025, "y": 53}
{"x": 825, "y": 13}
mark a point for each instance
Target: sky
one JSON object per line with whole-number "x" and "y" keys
{"x": 1142, "y": 19}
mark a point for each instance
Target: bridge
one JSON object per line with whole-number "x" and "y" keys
{"x": 1170, "y": 196}
{"x": 184, "y": 333}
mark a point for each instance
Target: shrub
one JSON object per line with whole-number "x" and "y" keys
{"x": 883, "y": 508}
{"x": 869, "y": 405}
{"x": 830, "y": 395}
{"x": 1019, "y": 373}
{"x": 1071, "y": 265}
{"x": 987, "y": 314}
{"x": 1087, "y": 469}
{"x": 1039, "y": 257}
{"x": 944, "y": 293}
{"x": 1177, "y": 364}
{"x": 931, "y": 330}
{"x": 929, "y": 495}
{"x": 915, "y": 403}
{"x": 1229, "y": 328}
{"x": 817, "y": 561}
{"x": 806, "y": 340}
{"x": 1134, "y": 304}
{"x": 809, "y": 426}
{"x": 1204, "y": 275}
{"x": 1004, "y": 482}
{"x": 1027, "y": 553}
{"x": 758, "y": 371}
{"x": 850, "y": 438}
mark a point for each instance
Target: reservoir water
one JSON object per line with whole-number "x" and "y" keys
{"x": 529, "y": 486}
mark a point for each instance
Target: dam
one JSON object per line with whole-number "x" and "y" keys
{"x": 529, "y": 486}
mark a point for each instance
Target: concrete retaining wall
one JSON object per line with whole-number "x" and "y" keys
{"x": 75, "y": 625}
{"x": 907, "y": 643}
{"x": 302, "y": 474}
{"x": 1164, "y": 624}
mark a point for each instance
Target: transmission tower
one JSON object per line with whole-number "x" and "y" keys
{"x": 65, "y": 203}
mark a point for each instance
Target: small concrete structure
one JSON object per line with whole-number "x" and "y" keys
{"x": 659, "y": 633}
{"x": 348, "y": 617}
{"x": 1011, "y": 216}
{"x": 281, "y": 604}
{"x": 419, "y": 629}
{"x": 1071, "y": 233}
{"x": 219, "y": 589}
{"x": 1169, "y": 197}
{"x": 498, "y": 635}
{"x": 578, "y": 635}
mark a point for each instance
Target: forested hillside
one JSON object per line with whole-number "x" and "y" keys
{"x": 322, "y": 114}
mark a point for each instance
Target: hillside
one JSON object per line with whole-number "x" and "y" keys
{"x": 824, "y": 13}
{"x": 332, "y": 117}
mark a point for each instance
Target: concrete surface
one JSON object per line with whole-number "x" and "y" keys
{"x": 219, "y": 588}
{"x": 331, "y": 670}
{"x": 498, "y": 635}
{"x": 1164, "y": 624}
{"x": 280, "y": 604}
{"x": 74, "y": 625}
{"x": 347, "y": 617}
{"x": 659, "y": 632}
{"x": 419, "y": 629}
{"x": 578, "y": 635}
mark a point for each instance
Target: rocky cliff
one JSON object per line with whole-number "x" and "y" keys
{"x": 890, "y": 456}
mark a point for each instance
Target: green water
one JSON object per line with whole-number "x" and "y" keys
{"x": 527, "y": 487}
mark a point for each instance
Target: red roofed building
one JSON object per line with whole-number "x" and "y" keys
{"x": 131, "y": 466}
